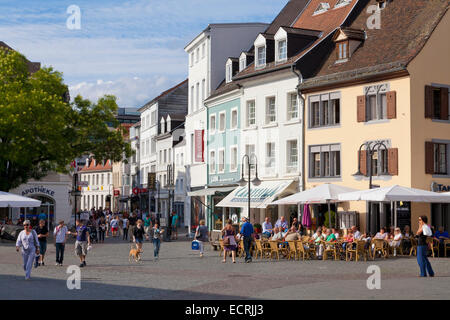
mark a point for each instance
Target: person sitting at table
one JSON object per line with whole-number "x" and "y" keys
{"x": 335, "y": 232}
{"x": 367, "y": 238}
{"x": 267, "y": 228}
{"x": 319, "y": 245}
{"x": 295, "y": 224}
{"x": 395, "y": 242}
{"x": 316, "y": 234}
{"x": 407, "y": 239}
{"x": 292, "y": 235}
{"x": 391, "y": 232}
{"x": 441, "y": 235}
{"x": 329, "y": 236}
{"x": 382, "y": 234}
{"x": 356, "y": 233}
{"x": 281, "y": 223}
{"x": 277, "y": 234}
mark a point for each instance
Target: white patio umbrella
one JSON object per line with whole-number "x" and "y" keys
{"x": 12, "y": 200}
{"x": 325, "y": 193}
{"x": 393, "y": 194}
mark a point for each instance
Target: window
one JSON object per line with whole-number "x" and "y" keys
{"x": 242, "y": 65}
{"x": 233, "y": 158}
{"x": 192, "y": 99}
{"x": 109, "y": 178}
{"x": 102, "y": 179}
{"x": 170, "y": 155}
{"x": 342, "y": 53}
{"x": 143, "y": 122}
{"x": 342, "y": 3}
{"x": 234, "y": 119}
{"x": 323, "y": 7}
{"x": 229, "y": 72}
{"x": 192, "y": 59}
{"x": 440, "y": 158}
{"x": 261, "y": 56}
{"x": 198, "y": 54}
{"x": 376, "y": 107}
{"x": 251, "y": 113}
{"x": 192, "y": 148}
{"x": 271, "y": 115}
{"x": 182, "y": 159}
{"x": 249, "y": 150}
{"x": 270, "y": 155}
{"x": 325, "y": 161}
{"x": 222, "y": 124}
{"x": 212, "y": 123}
{"x": 203, "y": 90}
{"x": 160, "y": 157}
{"x": 147, "y": 146}
{"x": 282, "y": 50}
{"x": 165, "y": 155}
{"x": 292, "y": 106}
{"x": 324, "y": 110}
{"x": 380, "y": 162}
{"x": 292, "y": 156}
{"x": 153, "y": 146}
{"x": 153, "y": 118}
{"x": 222, "y": 160}
{"x": 437, "y": 103}
{"x": 197, "y": 104}
{"x": 203, "y": 50}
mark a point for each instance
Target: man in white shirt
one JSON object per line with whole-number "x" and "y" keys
{"x": 267, "y": 228}
{"x": 60, "y": 233}
{"x": 356, "y": 233}
{"x": 281, "y": 223}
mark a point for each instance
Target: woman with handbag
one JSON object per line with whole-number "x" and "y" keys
{"x": 201, "y": 235}
{"x": 229, "y": 242}
{"x": 29, "y": 242}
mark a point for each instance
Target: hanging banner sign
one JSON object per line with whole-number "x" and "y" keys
{"x": 199, "y": 146}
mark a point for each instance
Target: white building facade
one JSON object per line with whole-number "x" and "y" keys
{"x": 100, "y": 185}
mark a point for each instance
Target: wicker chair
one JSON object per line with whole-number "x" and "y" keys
{"x": 358, "y": 251}
{"x": 301, "y": 250}
{"x": 329, "y": 247}
{"x": 241, "y": 250}
{"x": 292, "y": 250}
{"x": 379, "y": 246}
{"x": 274, "y": 249}
{"x": 262, "y": 251}
{"x": 433, "y": 244}
{"x": 311, "y": 249}
{"x": 398, "y": 250}
{"x": 446, "y": 247}
{"x": 413, "y": 247}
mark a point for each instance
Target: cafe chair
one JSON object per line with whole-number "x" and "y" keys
{"x": 274, "y": 249}
{"x": 292, "y": 250}
{"x": 300, "y": 250}
{"x": 262, "y": 251}
{"x": 358, "y": 251}
{"x": 413, "y": 247}
{"x": 446, "y": 247}
{"x": 433, "y": 244}
{"x": 329, "y": 248}
{"x": 379, "y": 246}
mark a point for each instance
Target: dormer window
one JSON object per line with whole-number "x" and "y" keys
{"x": 323, "y": 7}
{"x": 342, "y": 50}
{"x": 163, "y": 125}
{"x": 169, "y": 126}
{"x": 342, "y": 3}
{"x": 282, "y": 50}
{"x": 242, "y": 64}
{"x": 381, "y": 4}
{"x": 229, "y": 72}
{"x": 261, "y": 57}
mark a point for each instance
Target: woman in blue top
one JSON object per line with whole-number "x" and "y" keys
{"x": 156, "y": 239}
{"x": 28, "y": 241}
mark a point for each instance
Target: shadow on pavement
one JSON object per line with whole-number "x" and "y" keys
{"x": 16, "y": 287}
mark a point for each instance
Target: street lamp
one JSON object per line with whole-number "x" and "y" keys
{"x": 370, "y": 149}
{"x": 170, "y": 188}
{"x": 256, "y": 182}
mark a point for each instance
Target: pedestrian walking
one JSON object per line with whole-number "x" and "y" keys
{"x": 114, "y": 226}
{"x": 101, "y": 229}
{"x": 229, "y": 242}
{"x": 202, "y": 235}
{"x": 156, "y": 239}
{"x": 125, "y": 227}
{"x": 108, "y": 223}
{"x": 60, "y": 233}
{"x": 42, "y": 233}
{"x": 147, "y": 226}
{"x": 132, "y": 222}
{"x": 247, "y": 232}
{"x": 174, "y": 225}
{"x": 82, "y": 242}
{"x": 28, "y": 241}
{"x": 423, "y": 232}
{"x": 138, "y": 235}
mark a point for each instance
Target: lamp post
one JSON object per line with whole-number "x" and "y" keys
{"x": 170, "y": 188}
{"x": 370, "y": 149}
{"x": 256, "y": 182}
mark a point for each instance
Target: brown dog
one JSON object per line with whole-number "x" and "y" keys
{"x": 135, "y": 254}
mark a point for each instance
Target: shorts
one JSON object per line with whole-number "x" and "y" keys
{"x": 139, "y": 240}
{"x": 42, "y": 247}
{"x": 114, "y": 229}
{"x": 174, "y": 228}
{"x": 81, "y": 248}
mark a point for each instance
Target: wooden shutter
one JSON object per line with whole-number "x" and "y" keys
{"x": 429, "y": 102}
{"x": 361, "y": 109}
{"x": 391, "y": 100}
{"x": 429, "y": 157}
{"x": 363, "y": 162}
{"x": 444, "y": 103}
{"x": 393, "y": 161}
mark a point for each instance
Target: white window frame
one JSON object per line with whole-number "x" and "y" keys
{"x": 290, "y": 166}
{"x": 234, "y": 110}
{"x": 247, "y": 113}
{"x": 198, "y": 54}
{"x": 197, "y": 92}
{"x": 224, "y": 121}
{"x": 342, "y": 3}
{"x": 268, "y": 158}
{"x": 218, "y": 160}
{"x": 242, "y": 64}
{"x": 203, "y": 90}
{"x": 229, "y": 72}
{"x": 289, "y": 111}
{"x": 257, "y": 59}
{"x": 211, "y": 129}
{"x": 247, "y": 146}
{"x": 279, "y": 58}
{"x": 234, "y": 147}
{"x": 203, "y": 50}
{"x": 267, "y": 120}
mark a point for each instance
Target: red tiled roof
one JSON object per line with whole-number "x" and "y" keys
{"x": 97, "y": 167}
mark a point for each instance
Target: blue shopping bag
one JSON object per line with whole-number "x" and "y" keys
{"x": 195, "y": 245}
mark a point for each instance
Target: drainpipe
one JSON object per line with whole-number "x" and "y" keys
{"x": 300, "y": 95}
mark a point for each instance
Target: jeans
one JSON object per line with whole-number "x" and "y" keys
{"x": 423, "y": 262}
{"x": 125, "y": 234}
{"x": 156, "y": 246}
{"x": 28, "y": 259}
{"x": 200, "y": 246}
{"x": 247, "y": 244}
{"x": 101, "y": 235}
{"x": 60, "y": 252}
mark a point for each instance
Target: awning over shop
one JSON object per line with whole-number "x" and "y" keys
{"x": 260, "y": 196}
{"x": 210, "y": 191}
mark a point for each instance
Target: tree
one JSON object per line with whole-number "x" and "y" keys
{"x": 41, "y": 132}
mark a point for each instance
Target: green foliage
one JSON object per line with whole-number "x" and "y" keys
{"x": 333, "y": 219}
{"x": 40, "y": 132}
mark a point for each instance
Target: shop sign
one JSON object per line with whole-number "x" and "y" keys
{"x": 41, "y": 189}
{"x": 199, "y": 145}
{"x": 137, "y": 191}
{"x": 436, "y": 187}
{"x": 116, "y": 193}
{"x": 152, "y": 181}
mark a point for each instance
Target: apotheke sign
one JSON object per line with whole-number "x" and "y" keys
{"x": 41, "y": 190}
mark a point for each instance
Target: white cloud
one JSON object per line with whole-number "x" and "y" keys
{"x": 131, "y": 92}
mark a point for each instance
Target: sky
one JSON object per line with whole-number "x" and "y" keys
{"x": 131, "y": 49}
